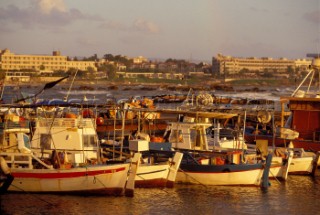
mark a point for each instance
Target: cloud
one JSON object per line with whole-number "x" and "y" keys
{"x": 259, "y": 10}
{"x": 43, "y": 13}
{"x": 114, "y": 25}
{"x": 145, "y": 26}
{"x": 46, "y": 6}
{"x": 313, "y": 16}
{"x": 86, "y": 42}
{"x": 139, "y": 25}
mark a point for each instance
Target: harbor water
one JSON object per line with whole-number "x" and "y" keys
{"x": 297, "y": 195}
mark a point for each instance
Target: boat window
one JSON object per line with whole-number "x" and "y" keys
{"x": 89, "y": 140}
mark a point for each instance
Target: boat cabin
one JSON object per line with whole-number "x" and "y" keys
{"x": 76, "y": 137}
{"x": 190, "y": 132}
{"x": 305, "y": 117}
{"x": 188, "y": 135}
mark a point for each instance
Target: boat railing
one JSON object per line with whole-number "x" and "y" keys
{"x": 66, "y": 122}
{"x": 17, "y": 160}
{"x": 13, "y": 124}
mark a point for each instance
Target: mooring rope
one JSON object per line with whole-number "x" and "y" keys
{"x": 33, "y": 195}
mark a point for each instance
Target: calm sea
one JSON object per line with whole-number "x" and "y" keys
{"x": 297, "y": 195}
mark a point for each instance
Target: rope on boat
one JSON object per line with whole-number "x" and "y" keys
{"x": 51, "y": 204}
{"x": 95, "y": 179}
{"x": 193, "y": 178}
{"x": 275, "y": 177}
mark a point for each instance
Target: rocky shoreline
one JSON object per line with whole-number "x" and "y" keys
{"x": 89, "y": 85}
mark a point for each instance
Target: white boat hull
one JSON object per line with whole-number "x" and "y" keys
{"x": 158, "y": 175}
{"x": 152, "y": 175}
{"x": 301, "y": 165}
{"x": 100, "y": 179}
{"x": 252, "y": 177}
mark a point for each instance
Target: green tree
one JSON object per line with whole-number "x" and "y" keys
{"x": 93, "y": 58}
{"x": 291, "y": 71}
{"x": 2, "y": 74}
{"x": 90, "y": 69}
{"x": 111, "y": 71}
{"x": 108, "y": 57}
{"x": 72, "y": 71}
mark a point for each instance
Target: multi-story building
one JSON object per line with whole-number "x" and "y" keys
{"x": 139, "y": 59}
{"x": 231, "y": 65}
{"x": 12, "y": 62}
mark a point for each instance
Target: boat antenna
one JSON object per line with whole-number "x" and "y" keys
{"x": 311, "y": 71}
{"x": 66, "y": 98}
{"x": 316, "y": 66}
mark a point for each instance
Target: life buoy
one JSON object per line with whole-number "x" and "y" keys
{"x": 264, "y": 116}
{"x": 204, "y": 99}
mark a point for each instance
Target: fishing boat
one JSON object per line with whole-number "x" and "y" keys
{"x": 212, "y": 165}
{"x": 62, "y": 156}
{"x": 223, "y": 168}
{"x": 157, "y": 168}
{"x": 301, "y": 163}
{"x": 300, "y": 134}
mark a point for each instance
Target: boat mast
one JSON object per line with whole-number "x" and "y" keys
{"x": 305, "y": 78}
{"x": 66, "y": 98}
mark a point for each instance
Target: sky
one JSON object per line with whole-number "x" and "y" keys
{"x": 178, "y": 29}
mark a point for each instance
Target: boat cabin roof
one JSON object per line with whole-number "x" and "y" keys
{"x": 202, "y": 114}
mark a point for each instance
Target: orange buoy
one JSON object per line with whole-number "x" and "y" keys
{"x": 157, "y": 139}
{"x": 71, "y": 115}
{"x": 87, "y": 113}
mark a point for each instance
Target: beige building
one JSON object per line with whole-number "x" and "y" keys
{"x": 139, "y": 59}
{"x": 10, "y": 62}
{"x": 233, "y": 65}
{"x": 17, "y": 77}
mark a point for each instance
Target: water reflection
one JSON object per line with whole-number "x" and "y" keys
{"x": 298, "y": 195}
